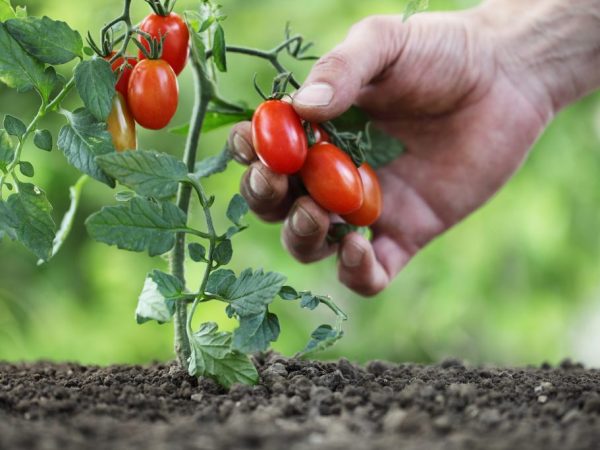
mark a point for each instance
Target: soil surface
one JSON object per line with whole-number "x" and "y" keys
{"x": 300, "y": 405}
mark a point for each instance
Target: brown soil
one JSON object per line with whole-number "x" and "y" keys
{"x": 300, "y": 405}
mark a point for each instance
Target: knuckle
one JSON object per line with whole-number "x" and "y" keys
{"x": 334, "y": 62}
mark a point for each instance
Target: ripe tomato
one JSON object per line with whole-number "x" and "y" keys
{"x": 278, "y": 137}
{"x": 370, "y": 210}
{"x": 320, "y": 134}
{"x": 177, "y": 37}
{"x": 124, "y": 74}
{"x": 153, "y": 93}
{"x": 332, "y": 179}
{"x": 121, "y": 125}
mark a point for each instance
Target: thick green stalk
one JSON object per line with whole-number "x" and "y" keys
{"x": 177, "y": 260}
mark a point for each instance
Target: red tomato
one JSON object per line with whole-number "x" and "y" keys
{"x": 332, "y": 179}
{"x": 177, "y": 37}
{"x": 121, "y": 125}
{"x": 370, "y": 210}
{"x": 320, "y": 134}
{"x": 153, "y": 93}
{"x": 278, "y": 137}
{"x": 123, "y": 71}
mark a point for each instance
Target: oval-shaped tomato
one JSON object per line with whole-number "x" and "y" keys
{"x": 332, "y": 179}
{"x": 370, "y": 210}
{"x": 278, "y": 137}
{"x": 153, "y": 93}
{"x": 121, "y": 125}
{"x": 176, "y": 34}
{"x": 123, "y": 70}
{"x": 320, "y": 134}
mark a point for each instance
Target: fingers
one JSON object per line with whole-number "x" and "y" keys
{"x": 304, "y": 232}
{"x": 240, "y": 143}
{"x": 266, "y": 192}
{"x": 336, "y": 79}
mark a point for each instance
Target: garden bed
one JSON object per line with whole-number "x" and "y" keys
{"x": 300, "y": 405}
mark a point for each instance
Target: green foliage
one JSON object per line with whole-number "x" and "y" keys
{"x": 14, "y": 126}
{"x": 43, "y": 140}
{"x": 158, "y": 297}
{"x": 322, "y": 338}
{"x": 7, "y": 152}
{"x": 212, "y": 165}
{"x": 95, "y": 83}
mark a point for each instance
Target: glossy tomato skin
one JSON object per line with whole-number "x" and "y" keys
{"x": 125, "y": 74}
{"x": 121, "y": 125}
{"x": 278, "y": 137}
{"x": 370, "y": 210}
{"x": 320, "y": 134}
{"x": 332, "y": 179}
{"x": 177, "y": 38}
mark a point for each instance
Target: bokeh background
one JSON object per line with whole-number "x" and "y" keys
{"x": 516, "y": 283}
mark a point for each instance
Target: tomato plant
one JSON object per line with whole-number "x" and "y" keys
{"x": 173, "y": 29}
{"x": 151, "y": 215}
{"x": 122, "y": 66}
{"x": 370, "y": 210}
{"x": 278, "y": 136}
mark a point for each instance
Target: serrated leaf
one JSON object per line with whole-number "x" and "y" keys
{"x": 35, "y": 228}
{"x": 322, "y": 338}
{"x": 148, "y": 173}
{"x": 256, "y": 333}
{"x": 169, "y": 286}
{"x": 309, "y": 301}
{"x": 19, "y": 70}
{"x": 139, "y": 225}
{"x": 152, "y": 305}
{"x": 237, "y": 209}
{"x": 288, "y": 293}
{"x": 212, "y": 165}
{"x": 219, "y": 49}
{"x": 197, "y": 252}
{"x": 14, "y": 126}
{"x": 212, "y": 357}
{"x": 49, "y": 41}
{"x": 82, "y": 140}
{"x": 7, "y": 151}
{"x": 219, "y": 281}
{"x": 26, "y": 168}
{"x": 95, "y": 82}
{"x": 43, "y": 140}
{"x": 223, "y": 252}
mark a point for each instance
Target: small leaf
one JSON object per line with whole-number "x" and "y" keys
{"x": 237, "y": 209}
{"x": 322, "y": 338}
{"x": 223, "y": 252}
{"x": 169, "y": 286}
{"x": 309, "y": 301}
{"x": 7, "y": 152}
{"x": 233, "y": 230}
{"x": 95, "y": 82}
{"x": 212, "y": 357}
{"x": 197, "y": 252}
{"x": 219, "y": 281}
{"x": 288, "y": 293}
{"x": 82, "y": 140}
{"x": 14, "y": 126}
{"x": 50, "y": 41}
{"x": 251, "y": 292}
{"x": 220, "y": 49}
{"x": 26, "y": 168}
{"x": 152, "y": 304}
{"x": 149, "y": 174}
{"x": 43, "y": 140}
{"x": 256, "y": 333}
{"x": 140, "y": 225}
{"x": 212, "y": 165}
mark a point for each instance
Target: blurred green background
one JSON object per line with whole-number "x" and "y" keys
{"x": 517, "y": 283}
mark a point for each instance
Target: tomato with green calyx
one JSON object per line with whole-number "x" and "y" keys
{"x": 278, "y": 137}
{"x": 176, "y": 35}
{"x": 121, "y": 125}
{"x": 332, "y": 179}
{"x": 153, "y": 93}
{"x": 370, "y": 210}
{"x": 122, "y": 66}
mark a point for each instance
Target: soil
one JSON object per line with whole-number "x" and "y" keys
{"x": 300, "y": 405}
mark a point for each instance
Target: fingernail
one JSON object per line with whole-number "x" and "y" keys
{"x": 302, "y": 223}
{"x": 259, "y": 185}
{"x": 242, "y": 151}
{"x": 316, "y": 94}
{"x": 352, "y": 255}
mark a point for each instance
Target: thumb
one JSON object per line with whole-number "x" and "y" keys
{"x": 336, "y": 79}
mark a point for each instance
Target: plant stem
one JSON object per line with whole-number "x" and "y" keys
{"x": 177, "y": 258}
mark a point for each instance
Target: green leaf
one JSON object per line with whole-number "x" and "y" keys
{"x": 157, "y": 300}
{"x": 7, "y": 152}
{"x": 35, "y": 228}
{"x": 322, "y": 338}
{"x": 288, "y": 293}
{"x": 197, "y": 252}
{"x": 124, "y": 196}
{"x": 385, "y": 148}
{"x": 8, "y": 221}
{"x": 82, "y": 140}
{"x": 212, "y": 357}
{"x": 309, "y": 301}
{"x": 14, "y": 126}
{"x": 237, "y": 209}
{"x": 148, "y": 173}
{"x": 95, "y": 82}
{"x": 256, "y": 333}
{"x": 21, "y": 71}
{"x": 26, "y": 168}
{"x": 414, "y": 7}
{"x": 139, "y": 225}
{"x": 212, "y": 165}
{"x": 220, "y": 280}
{"x": 219, "y": 49}
{"x": 223, "y": 252}
{"x": 50, "y": 41}
{"x": 43, "y": 140}
{"x": 198, "y": 52}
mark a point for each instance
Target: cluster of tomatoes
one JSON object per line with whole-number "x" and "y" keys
{"x": 328, "y": 173}
{"x": 147, "y": 89}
